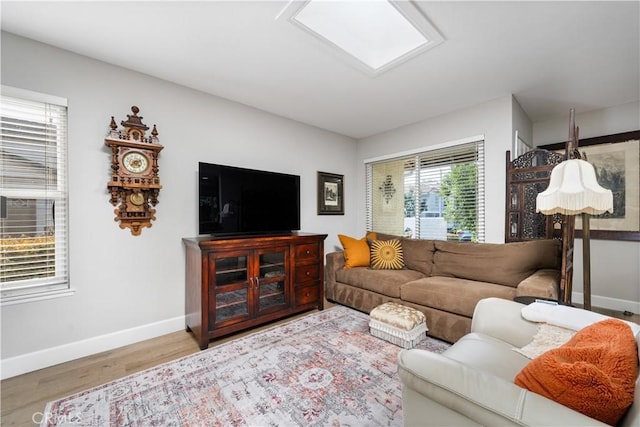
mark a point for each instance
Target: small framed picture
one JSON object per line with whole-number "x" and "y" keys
{"x": 330, "y": 194}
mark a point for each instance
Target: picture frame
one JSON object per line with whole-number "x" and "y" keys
{"x": 330, "y": 194}
{"x": 616, "y": 159}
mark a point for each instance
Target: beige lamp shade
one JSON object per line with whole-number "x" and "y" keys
{"x": 574, "y": 189}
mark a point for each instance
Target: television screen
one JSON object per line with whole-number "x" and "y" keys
{"x": 235, "y": 200}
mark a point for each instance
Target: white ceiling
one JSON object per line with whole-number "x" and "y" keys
{"x": 551, "y": 55}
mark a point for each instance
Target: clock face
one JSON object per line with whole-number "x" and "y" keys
{"x": 135, "y": 162}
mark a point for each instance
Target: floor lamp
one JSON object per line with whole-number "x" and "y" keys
{"x": 573, "y": 189}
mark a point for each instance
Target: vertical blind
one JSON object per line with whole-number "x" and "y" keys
{"x": 442, "y": 192}
{"x": 33, "y": 186}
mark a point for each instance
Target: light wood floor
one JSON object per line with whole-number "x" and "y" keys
{"x": 24, "y": 397}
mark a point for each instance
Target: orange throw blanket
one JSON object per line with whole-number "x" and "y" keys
{"x": 593, "y": 373}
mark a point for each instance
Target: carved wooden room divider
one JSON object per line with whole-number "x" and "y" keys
{"x": 528, "y": 175}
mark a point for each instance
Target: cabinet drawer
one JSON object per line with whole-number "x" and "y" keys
{"x": 308, "y": 252}
{"x": 305, "y": 273}
{"x": 307, "y": 295}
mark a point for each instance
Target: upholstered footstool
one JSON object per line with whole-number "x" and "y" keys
{"x": 398, "y": 324}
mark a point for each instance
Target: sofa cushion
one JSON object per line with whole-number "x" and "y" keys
{"x": 386, "y": 254}
{"x": 386, "y": 282}
{"x": 356, "y": 251}
{"x": 453, "y": 295}
{"x": 543, "y": 283}
{"x": 593, "y": 373}
{"x": 418, "y": 254}
{"x": 506, "y": 263}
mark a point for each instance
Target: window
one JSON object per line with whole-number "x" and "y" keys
{"x": 519, "y": 146}
{"x": 33, "y": 195}
{"x": 436, "y": 194}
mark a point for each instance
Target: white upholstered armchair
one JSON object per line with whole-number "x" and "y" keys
{"x": 472, "y": 383}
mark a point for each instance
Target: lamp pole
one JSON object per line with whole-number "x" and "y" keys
{"x": 586, "y": 261}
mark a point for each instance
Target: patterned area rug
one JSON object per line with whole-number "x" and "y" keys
{"x": 321, "y": 369}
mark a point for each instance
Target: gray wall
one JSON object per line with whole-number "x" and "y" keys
{"x": 491, "y": 120}
{"x": 130, "y": 288}
{"x": 615, "y": 265}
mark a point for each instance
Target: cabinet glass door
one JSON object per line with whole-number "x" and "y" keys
{"x": 272, "y": 279}
{"x": 231, "y": 287}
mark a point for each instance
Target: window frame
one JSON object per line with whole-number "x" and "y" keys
{"x": 58, "y": 285}
{"x": 478, "y": 140}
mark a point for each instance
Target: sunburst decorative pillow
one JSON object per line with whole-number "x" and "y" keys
{"x": 387, "y": 255}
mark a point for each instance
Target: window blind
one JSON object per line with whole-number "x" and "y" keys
{"x": 33, "y": 187}
{"x": 443, "y": 194}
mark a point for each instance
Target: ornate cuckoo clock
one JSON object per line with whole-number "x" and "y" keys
{"x": 135, "y": 183}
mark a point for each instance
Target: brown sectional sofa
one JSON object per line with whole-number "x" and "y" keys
{"x": 445, "y": 279}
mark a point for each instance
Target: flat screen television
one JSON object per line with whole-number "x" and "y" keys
{"x": 239, "y": 201}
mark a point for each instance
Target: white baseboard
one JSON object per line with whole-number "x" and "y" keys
{"x": 29, "y": 362}
{"x": 609, "y": 303}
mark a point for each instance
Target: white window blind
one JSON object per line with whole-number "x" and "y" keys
{"x": 436, "y": 194}
{"x": 33, "y": 190}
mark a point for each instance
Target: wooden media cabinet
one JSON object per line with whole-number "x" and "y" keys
{"x": 241, "y": 282}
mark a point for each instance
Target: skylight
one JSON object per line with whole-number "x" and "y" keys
{"x": 378, "y": 34}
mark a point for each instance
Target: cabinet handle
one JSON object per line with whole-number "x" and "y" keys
{"x": 250, "y": 283}
{"x": 308, "y": 273}
{"x": 257, "y": 282}
{"x": 308, "y": 251}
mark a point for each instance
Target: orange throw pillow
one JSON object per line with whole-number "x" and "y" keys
{"x": 356, "y": 251}
{"x": 593, "y": 373}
